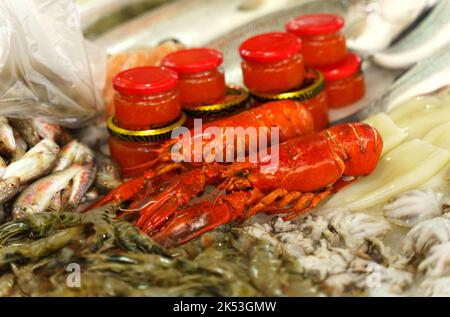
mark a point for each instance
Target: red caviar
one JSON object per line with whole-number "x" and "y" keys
{"x": 272, "y": 63}
{"x": 201, "y": 81}
{"x": 146, "y": 97}
{"x": 322, "y": 40}
{"x": 131, "y": 154}
{"x": 344, "y": 81}
{"x": 318, "y": 106}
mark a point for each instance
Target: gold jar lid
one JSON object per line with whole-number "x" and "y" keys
{"x": 311, "y": 87}
{"x": 235, "y": 98}
{"x": 144, "y": 135}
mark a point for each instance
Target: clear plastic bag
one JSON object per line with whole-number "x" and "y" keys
{"x": 47, "y": 69}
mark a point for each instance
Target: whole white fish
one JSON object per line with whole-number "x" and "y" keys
{"x": 74, "y": 152}
{"x": 26, "y": 129}
{"x": 21, "y": 147}
{"x": 7, "y": 141}
{"x": 8, "y": 188}
{"x": 373, "y": 25}
{"x": 81, "y": 183}
{"x": 108, "y": 175}
{"x": 92, "y": 11}
{"x": 192, "y": 22}
{"x": 46, "y": 130}
{"x": 3, "y": 166}
{"x": 38, "y": 196}
{"x": 432, "y": 34}
{"x": 427, "y": 76}
{"x": 38, "y": 161}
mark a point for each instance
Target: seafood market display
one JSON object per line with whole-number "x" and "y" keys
{"x": 193, "y": 183}
{"x": 310, "y": 168}
{"x": 45, "y": 168}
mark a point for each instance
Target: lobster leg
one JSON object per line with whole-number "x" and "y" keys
{"x": 264, "y": 204}
{"x": 183, "y": 188}
{"x": 195, "y": 220}
{"x": 129, "y": 189}
{"x": 301, "y": 202}
{"x": 307, "y": 202}
{"x": 123, "y": 192}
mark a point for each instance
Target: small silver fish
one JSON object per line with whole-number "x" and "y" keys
{"x": 37, "y": 162}
{"x": 3, "y": 166}
{"x": 74, "y": 152}
{"x": 81, "y": 183}
{"x": 21, "y": 147}
{"x": 26, "y": 130}
{"x": 7, "y": 141}
{"x": 108, "y": 175}
{"x": 37, "y": 197}
{"x": 2, "y": 218}
{"x": 91, "y": 194}
{"x": 9, "y": 187}
{"x": 56, "y": 204}
{"x": 46, "y": 129}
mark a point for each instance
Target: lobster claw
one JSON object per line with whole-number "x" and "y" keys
{"x": 123, "y": 192}
{"x": 191, "y": 222}
{"x": 176, "y": 194}
{"x": 188, "y": 223}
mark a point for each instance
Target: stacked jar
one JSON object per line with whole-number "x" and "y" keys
{"x": 273, "y": 68}
{"x": 147, "y": 108}
{"x": 201, "y": 81}
{"x": 324, "y": 48}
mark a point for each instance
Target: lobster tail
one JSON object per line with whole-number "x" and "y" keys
{"x": 293, "y": 118}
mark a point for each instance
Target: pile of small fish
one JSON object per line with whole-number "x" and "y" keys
{"x": 116, "y": 259}
{"x": 42, "y": 168}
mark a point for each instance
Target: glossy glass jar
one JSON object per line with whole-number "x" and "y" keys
{"x": 236, "y": 99}
{"x": 146, "y": 97}
{"x": 322, "y": 40}
{"x": 200, "y": 80}
{"x": 272, "y": 63}
{"x": 131, "y": 154}
{"x": 344, "y": 81}
{"x": 133, "y": 149}
{"x": 318, "y": 106}
{"x": 311, "y": 94}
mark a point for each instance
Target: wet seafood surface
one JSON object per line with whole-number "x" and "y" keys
{"x": 384, "y": 234}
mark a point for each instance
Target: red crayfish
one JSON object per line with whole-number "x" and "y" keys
{"x": 310, "y": 168}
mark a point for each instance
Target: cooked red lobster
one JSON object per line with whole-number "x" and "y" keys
{"x": 310, "y": 168}
{"x": 291, "y": 117}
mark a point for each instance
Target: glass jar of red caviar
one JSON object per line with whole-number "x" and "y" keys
{"x": 131, "y": 154}
{"x": 322, "y": 40}
{"x": 132, "y": 149}
{"x": 344, "y": 81}
{"x": 272, "y": 62}
{"x": 318, "y": 106}
{"x": 146, "y": 97}
{"x": 236, "y": 99}
{"x": 311, "y": 94}
{"x": 200, "y": 80}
